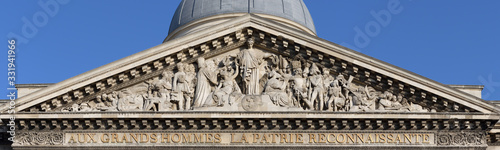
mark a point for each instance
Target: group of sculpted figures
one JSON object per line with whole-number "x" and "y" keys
{"x": 287, "y": 82}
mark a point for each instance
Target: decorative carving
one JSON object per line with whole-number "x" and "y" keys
{"x": 38, "y": 138}
{"x": 251, "y": 102}
{"x": 254, "y": 80}
{"x": 461, "y": 138}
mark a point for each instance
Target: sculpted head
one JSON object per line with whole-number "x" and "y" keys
{"x": 229, "y": 67}
{"x": 271, "y": 74}
{"x": 314, "y": 70}
{"x": 394, "y": 98}
{"x": 104, "y": 96}
{"x": 250, "y": 43}
{"x": 335, "y": 83}
{"x": 201, "y": 62}
{"x": 167, "y": 75}
{"x": 164, "y": 74}
{"x": 121, "y": 95}
{"x": 326, "y": 71}
{"x": 361, "y": 89}
{"x": 84, "y": 105}
{"x": 98, "y": 98}
{"x": 341, "y": 79}
{"x": 387, "y": 95}
{"x": 180, "y": 67}
{"x": 297, "y": 71}
{"x": 75, "y": 107}
{"x": 190, "y": 68}
{"x": 400, "y": 97}
{"x": 211, "y": 64}
{"x": 114, "y": 94}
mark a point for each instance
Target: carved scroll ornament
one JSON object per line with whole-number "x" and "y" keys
{"x": 38, "y": 138}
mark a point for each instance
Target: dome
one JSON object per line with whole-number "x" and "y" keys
{"x": 296, "y": 11}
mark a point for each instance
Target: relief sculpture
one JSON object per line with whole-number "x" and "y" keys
{"x": 250, "y": 79}
{"x": 182, "y": 92}
{"x": 227, "y": 88}
{"x": 206, "y": 78}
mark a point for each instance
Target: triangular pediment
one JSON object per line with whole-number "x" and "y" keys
{"x": 263, "y": 77}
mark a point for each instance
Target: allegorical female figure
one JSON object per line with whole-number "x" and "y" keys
{"x": 249, "y": 67}
{"x": 249, "y": 70}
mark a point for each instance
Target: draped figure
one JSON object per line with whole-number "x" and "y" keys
{"x": 205, "y": 79}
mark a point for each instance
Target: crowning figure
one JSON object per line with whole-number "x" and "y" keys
{"x": 227, "y": 85}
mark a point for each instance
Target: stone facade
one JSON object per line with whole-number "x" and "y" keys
{"x": 255, "y": 84}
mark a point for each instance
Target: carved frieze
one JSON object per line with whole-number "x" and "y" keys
{"x": 38, "y": 138}
{"x": 444, "y": 139}
{"x": 461, "y": 138}
{"x": 250, "y": 79}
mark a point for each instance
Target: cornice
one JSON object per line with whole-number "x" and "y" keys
{"x": 277, "y": 37}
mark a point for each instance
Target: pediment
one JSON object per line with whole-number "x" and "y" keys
{"x": 250, "y": 64}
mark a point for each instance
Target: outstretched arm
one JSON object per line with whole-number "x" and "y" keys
{"x": 267, "y": 55}
{"x": 236, "y": 72}
{"x": 211, "y": 77}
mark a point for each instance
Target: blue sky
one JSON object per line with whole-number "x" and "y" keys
{"x": 450, "y": 41}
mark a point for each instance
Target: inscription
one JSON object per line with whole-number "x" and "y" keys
{"x": 252, "y": 138}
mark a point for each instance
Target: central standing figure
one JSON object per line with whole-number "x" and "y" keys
{"x": 250, "y": 69}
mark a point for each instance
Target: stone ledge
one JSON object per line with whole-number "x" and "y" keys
{"x": 278, "y": 123}
{"x": 257, "y": 148}
{"x": 230, "y": 114}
